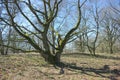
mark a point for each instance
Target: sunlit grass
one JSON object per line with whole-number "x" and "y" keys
{"x": 33, "y": 67}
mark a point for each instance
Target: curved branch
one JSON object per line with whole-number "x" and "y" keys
{"x": 67, "y": 37}
{"x": 32, "y": 33}
{"x": 33, "y": 11}
{"x": 22, "y": 34}
{"x": 27, "y": 17}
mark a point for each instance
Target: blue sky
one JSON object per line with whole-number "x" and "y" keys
{"x": 73, "y": 16}
{"x": 71, "y": 20}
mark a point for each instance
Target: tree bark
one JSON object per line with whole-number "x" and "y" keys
{"x": 52, "y": 59}
{"x": 111, "y": 48}
{"x": 2, "y": 51}
{"x": 1, "y": 44}
{"x": 57, "y": 59}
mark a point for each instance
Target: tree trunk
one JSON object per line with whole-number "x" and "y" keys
{"x": 94, "y": 50}
{"x": 48, "y": 57}
{"x": 111, "y": 50}
{"x": 2, "y": 50}
{"x": 52, "y": 59}
{"x": 57, "y": 59}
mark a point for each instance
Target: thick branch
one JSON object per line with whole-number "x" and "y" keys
{"x": 22, "y": 34}
{"x": 67, "y": 37}
{"x": 18, "y": 49}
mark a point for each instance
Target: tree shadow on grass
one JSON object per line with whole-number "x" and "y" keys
{"x": 103, "y": 73}
{"x": 76, "y": 70}
{"x": 89, "y": 55}
{"x": 99, "y": 72}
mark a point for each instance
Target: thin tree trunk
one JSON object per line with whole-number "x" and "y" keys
{"x": 1, "y": 44}
{"x": 94, "y": 50}
{"x": 2, "y": 51}
{"x": 111, "y": 49}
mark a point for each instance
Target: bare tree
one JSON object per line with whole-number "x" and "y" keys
{"x": 45, "y": 14}
{"x": 81, "y": 43}
{"x": 111, "y": 30}
{"x": 92, "y": 30}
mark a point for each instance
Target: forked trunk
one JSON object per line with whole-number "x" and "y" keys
{"x": 52, "y": 59}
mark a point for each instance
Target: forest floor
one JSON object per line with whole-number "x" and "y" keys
{"x": 31, "y": 66}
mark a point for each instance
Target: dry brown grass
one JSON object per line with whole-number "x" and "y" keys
{"x": 33, "y": 67}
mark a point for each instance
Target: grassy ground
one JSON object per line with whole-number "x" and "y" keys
{"x": 33, "y": 67}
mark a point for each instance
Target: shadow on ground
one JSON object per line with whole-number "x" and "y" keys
{"x": 89, "y": 55}
{"x": 112, "y": 74}
{"x": 100, "y": 72}
{"x": 115, "y": 73}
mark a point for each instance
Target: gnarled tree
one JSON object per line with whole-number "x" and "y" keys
{"x": 39, "y": 16}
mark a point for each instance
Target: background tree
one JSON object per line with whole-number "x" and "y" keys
{"x": 111, "y": 27}
{"x": 1, "y": 41}
{"x": 111, "y": 30}
{"x": 91, "y": 26}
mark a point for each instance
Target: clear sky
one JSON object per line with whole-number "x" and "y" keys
{"x": 104, "y": 3}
